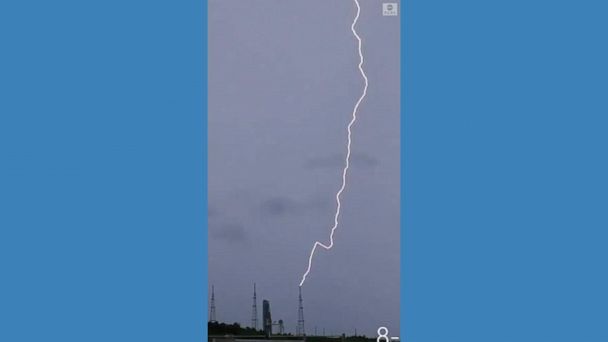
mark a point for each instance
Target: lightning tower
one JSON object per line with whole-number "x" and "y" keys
{"x": 300, "y": 329}
{"x": 254, "y": 310}
{"x": 212, "y": 308}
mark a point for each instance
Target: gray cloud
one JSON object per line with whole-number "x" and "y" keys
{"x": 279, "y": 206}
{"x": 229, "y": 232}
{"x": 283, "y": 94}
{"x": 337, "y": 160}
{"x": 212, "y": 212}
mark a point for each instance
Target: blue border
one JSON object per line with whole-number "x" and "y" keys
{"x": 102, "y": 171}
{"x": 504, "y": 171}
{"x": 405, "y": 10}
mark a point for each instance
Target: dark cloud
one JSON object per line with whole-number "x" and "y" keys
{"x": 279, "y": 206}
{"x": 276, "y": 207}
{"x": 229, "y": 232}
{"x": 337, "y": 160}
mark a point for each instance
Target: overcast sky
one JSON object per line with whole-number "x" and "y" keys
{"x": 283, "y": 81}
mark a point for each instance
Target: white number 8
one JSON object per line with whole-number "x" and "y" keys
{"x": 382, "y": 336}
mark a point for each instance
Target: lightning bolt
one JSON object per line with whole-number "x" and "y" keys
{"x": 347, "y": 160}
